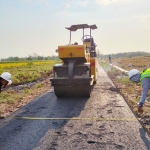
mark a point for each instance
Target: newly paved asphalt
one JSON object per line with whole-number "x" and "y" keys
{"x": 117, "y": 129}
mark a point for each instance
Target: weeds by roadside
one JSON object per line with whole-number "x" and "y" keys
{"x": 12, "y": 100}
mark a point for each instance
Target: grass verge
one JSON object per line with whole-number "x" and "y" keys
{"x": 11, "y": 100}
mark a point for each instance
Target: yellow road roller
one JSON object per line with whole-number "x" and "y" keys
{"x": 77, "y": 73}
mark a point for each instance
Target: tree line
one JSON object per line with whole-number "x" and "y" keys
{"x": 35, "y": 57}
{"x": 30, "y": 58}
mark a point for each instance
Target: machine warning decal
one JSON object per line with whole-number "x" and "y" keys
{"x": 92, "y": 63}
{"x": 79, "y": 48}
{"x": 61, "y": 49}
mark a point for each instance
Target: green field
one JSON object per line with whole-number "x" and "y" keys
{"x": 27, "y": 71}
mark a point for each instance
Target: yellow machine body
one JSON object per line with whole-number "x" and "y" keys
{"x": 73, "y": 51}
{"x": 78, "y": 71}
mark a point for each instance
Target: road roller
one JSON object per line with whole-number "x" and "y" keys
{"x": 77, "y": 73}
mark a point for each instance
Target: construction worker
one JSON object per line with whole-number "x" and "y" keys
{"x": 144, "y": 78}
{"x": 109, "y": 59}
{"x": 5, "y": 79}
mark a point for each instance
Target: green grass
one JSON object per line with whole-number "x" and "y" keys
{"x": 124, "y": 80}
{"x": 10, "y": 97}
{"x": 38, "y": 85}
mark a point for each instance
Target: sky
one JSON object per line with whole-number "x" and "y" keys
{"x": 38, "y": 26}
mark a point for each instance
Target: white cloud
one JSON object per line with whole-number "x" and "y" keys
{"x": 67, "y": 6}
{"x": 107, "y": 2}
{"x": 37, "y": 2}
{"x": 142, "y": 17}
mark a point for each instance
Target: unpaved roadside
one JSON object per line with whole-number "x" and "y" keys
{"x": 124, "y": 132}
{"x": 131, "y": 93}
{"x": 24, "y": 94}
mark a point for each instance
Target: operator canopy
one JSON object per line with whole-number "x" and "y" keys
{"x": 81, "y": 26}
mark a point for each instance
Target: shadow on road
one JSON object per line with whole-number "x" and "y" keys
{"x": 144, "y": 138}
{"x": 26, "y": 134}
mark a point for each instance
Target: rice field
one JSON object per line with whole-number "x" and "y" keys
{"x": 27, "y": 71}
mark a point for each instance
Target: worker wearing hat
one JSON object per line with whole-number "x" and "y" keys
{"x": 5, "y": 79}
{"x": 144, "y": 78}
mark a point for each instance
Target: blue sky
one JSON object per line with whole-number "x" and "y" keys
{"x": 38, "y": 26}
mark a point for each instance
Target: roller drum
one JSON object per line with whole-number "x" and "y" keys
{"x": 80, "y": 90}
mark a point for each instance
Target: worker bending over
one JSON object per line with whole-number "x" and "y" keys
{"x": 144, "y": 78}
{"x": 5, "y": 79}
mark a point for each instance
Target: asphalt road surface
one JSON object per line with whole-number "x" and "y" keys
{"x": 116, "y": 129}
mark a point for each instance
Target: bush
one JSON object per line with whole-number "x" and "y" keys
{"x": 26, "y": 91}
{"x": 38, "y": 85}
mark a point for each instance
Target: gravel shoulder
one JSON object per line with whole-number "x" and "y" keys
{"x": 105, "y": 102}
